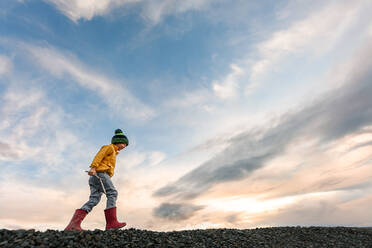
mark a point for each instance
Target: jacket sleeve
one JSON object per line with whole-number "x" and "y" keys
{"x": 103, "y": 152}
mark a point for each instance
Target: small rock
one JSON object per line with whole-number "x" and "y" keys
{"x": 4, "y": 242}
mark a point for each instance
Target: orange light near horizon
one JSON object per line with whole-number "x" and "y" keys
{"x": 253, "y": 205}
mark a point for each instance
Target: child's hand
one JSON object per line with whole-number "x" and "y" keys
{"x": 92, "y": 172}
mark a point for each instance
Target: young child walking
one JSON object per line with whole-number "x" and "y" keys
{"x": 101, "y": 171}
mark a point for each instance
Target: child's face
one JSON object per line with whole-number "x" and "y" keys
{"x": 121, "y": 146}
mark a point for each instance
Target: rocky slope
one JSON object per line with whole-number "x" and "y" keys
{"x": 260, "y": 237}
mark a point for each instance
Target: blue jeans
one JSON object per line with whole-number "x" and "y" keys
{"x": 96, "y": 192}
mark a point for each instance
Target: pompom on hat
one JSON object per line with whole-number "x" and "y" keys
{"x": 119, "y": 138}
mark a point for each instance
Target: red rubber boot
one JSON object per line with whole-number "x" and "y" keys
{"x": 76, "y": 220}
{"x": 111, "y": 220}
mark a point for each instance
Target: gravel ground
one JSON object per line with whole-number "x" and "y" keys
{"x": 260, "y": 237}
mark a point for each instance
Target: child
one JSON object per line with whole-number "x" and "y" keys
{"x": 102, "y": 166}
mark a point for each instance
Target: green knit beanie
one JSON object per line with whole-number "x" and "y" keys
{"x": 119, "y": 138}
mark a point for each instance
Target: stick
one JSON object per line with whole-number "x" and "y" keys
{"x": 100, "y": 180}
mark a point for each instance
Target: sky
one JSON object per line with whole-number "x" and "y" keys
{"x": 239, "y": 114}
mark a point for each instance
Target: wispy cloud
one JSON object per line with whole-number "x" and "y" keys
{"x": 6, "y": 152}
{"x": 310, "y": 163}
{"x": 85, "y": 9}
{"x": 176, "y": 211}
{"x": 152, "y": 10}
{"x": 6, "y": 65}
{"x": 228, "y": 87}
{"x": 112, "y": 92}
{"x": 312, "y": 35}
{"x": 134, "y": 158}
{"x": 196, "y": 98}
{"x": 330, "y": 118}
{"x": 30, "y": 126}
{"x": 22, "y": 113}
{"x": 306, "y": 34}
{"x": 316, "y": 209}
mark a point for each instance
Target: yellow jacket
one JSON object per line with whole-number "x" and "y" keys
{"x": 105, "y": 159}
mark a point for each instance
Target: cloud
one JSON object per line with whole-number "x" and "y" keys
{"x": 112, "y": 92}
{"x": 41, "y": 208}
{"x": 317, "y": 209}
{"x": 156, "y": 158}
{"x": 314, "y": 34}
{"x": 151, "y": 10}
{"x": 87, "y": 9}
{"x": 369, "y": 143}
{"x": 154, "y": 11}
{"x": 197, "y": 97}
{"x": 228, "y": 88}
{"x": 176, "y": 212}
{"x": 327, "y": 24}
{"x": 36, "y": 145}
{"x": 33, "y": 124}
{"x": 338, "y": 113}
{"x": 37, "y": 199}
{"x": 6, "y": 65}
{"x": 6, "y": 151}
{"x": 22, "y": 114}
{"x": 134, "y": 158}
{"x": 318, "y": 31}
{"x": 33, "y": 129}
